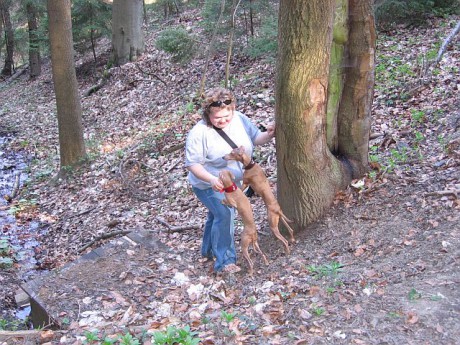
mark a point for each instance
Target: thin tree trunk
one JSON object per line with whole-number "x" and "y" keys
{"x": 35, "y": 66}
{"x": 71, "y": 143}
{"x": 210, "y": 50}
{"x": 230, "y": 42}
{"x": 251, "y": 18}
{"x": 8, "y": 68}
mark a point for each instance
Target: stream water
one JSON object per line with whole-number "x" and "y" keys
{"x": 17, "y": 238}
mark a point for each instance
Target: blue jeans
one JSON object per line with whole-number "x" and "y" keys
{"x": 218, "y": 236}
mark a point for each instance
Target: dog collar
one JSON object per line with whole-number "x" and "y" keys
{"x": 230, "y": 189}
{"x": 250, "y": 165}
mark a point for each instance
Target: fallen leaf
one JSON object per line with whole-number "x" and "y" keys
{"x": 412, "y": 318}
{"x": 359, "y": 251}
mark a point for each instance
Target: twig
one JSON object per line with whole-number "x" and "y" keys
{"x": 15, "y": 190}
{"x": 82, "y": 212}
{"x": 177, "y": 228}
{"x": 446, "y": 42}
{"x": 103, "y": 237}
{"x": 173, "y": 165}
{"x": 152, "y": 74}
{"x": 173, "y": 149}
{"x": 453, "y": 192}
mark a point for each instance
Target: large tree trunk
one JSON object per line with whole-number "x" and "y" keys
{"x": 71, "y": 143}
{"x": 35, "y": 67}
{"x": 127, "y": 36}
{"x": 9, "y": 35}
{"x": 309, "y": 172}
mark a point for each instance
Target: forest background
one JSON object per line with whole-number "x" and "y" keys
{"x": 365, "y": 272}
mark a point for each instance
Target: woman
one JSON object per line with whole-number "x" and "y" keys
{"x": 204, "y": 150}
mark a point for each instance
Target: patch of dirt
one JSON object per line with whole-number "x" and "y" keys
{"x": 381, "y": 267}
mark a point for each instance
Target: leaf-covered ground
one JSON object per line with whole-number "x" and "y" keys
{"x": 382, "y": 267}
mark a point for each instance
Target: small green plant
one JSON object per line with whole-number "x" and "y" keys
{"x": 318, "y": 311}
{"x": 330, "y": 290}
{"x": 372, "y": 175}
{"x": 373, "y": 158}
{"x": 91, "y": 337}
{"x": 394, "y": 315}
{"x": 6, "y": 263}
{"x": 174, "y": 335}
{"x": 227, "y": 317}
{"x": 418, "y": 116}
{"x": 108, "y": 341}
{"x": 190, "y": 107}
{"x": 414, "y": 295}
{"x": 3, "y": 324}
{"x": 12, "y": 325}
{"x": 22, "y": 205}
{"x": 327, "y": 270}
{"x": 419, "y": 137}
{"x": 120, "y": 154}
{"x": 8, "y": 253}
{"x": 128, "y": 339}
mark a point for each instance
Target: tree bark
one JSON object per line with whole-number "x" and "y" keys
{"x": 35, "y": 67}
{"x": 353, "y": 118}
{"x": 313, "y": 153}
{"x": 8, "y": 67}
{"x": 71, "y": 143}
{"x": 127, "y": 36}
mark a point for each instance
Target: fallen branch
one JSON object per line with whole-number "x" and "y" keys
{"x": 152, "y": 74}
{"x": 6, "y": 335}
{"x": 18, "y": 74}
{"x": 104, "y": 237}
{"x": 426, "y": 73}
{"x": 453, "y": 192}
{"x": 173, "y": 165}
{"x": 446, "y": 43}
{"x": 177, "y": 228}
{"x": 15, "y": 190}
{"x": 173, "y": 149}
{"x": 82, "y": 212}
{"x": 94, "y": 88}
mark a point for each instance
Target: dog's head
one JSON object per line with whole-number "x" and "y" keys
{"x": 236, "y": 154}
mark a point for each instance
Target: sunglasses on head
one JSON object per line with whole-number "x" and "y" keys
{"x": 220, "y": 103}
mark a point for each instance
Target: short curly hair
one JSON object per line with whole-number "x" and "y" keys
{"x": 215, "y": 95}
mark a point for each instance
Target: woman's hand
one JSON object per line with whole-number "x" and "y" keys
{"x": 216, "y": 184}
{"x": 271, "y": 129}
{"x": 265, "y": 137}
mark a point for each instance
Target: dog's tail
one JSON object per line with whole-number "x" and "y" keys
{"x": 286, "y": 222}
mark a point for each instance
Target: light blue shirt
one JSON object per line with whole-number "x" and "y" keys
{"x": 206, "y": 147}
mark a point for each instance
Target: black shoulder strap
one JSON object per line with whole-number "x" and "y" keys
{"x": 225, "y": 137}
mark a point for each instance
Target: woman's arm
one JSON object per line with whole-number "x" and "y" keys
{"x": 199, "y": 171}
{"x": 265, "y": 137}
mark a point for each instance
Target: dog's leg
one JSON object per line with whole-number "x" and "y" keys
{"x": 258, "y": 250}
{"x": 286, "y": 222}
{"x": 273, "y": 220}
{"x": 245, "y": 242}
{"x": 229, "y": 202}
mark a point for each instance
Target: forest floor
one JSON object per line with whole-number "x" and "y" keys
{"x": 381, "y": 267}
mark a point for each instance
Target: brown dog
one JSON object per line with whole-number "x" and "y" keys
{"x": 235, "y": 197}
{"x": 255, "y": 177}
